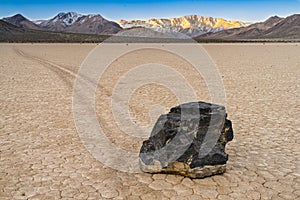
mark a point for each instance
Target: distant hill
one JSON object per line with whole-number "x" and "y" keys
{"x": 21, "y": 22}
{"x": 72, "y": 22}
{"x": 7, "y": 28}
{"x": 273, "y": 28}
{"x": 12, "y": 33}
{"x": 288, "y": 28}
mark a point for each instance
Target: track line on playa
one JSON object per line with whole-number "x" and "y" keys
{"x": 60, "y": 71}
{"x": 57, "y": 69}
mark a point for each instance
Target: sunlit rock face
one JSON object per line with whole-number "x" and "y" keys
{"x": 191, "y": 25}
{"x": 190, "y": 141}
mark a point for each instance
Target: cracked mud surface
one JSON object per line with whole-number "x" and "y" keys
{"x": 41, "y": 155}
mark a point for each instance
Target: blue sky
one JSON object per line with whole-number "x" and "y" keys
{"x": 248, "y": 11}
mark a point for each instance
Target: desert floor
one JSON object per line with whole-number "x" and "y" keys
{"x": 43, "y": 157}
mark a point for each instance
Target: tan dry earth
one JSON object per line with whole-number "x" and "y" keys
{"x": 42, "y": 157}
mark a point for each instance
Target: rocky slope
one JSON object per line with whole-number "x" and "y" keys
{"x": 12, "y": 33}
{"x": 72, "y": 22}
{"x": 191, "y": 25}
{"x": 273, "y": 28}
{"x": 21, "y": 22}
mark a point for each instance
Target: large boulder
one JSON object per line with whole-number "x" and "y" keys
{"x": 190, "y": 141}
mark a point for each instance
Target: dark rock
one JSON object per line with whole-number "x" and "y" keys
{"x": 190, "y": 140}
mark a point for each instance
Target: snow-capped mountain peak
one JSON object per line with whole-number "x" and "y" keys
{"x": 78, "y": 23}
{"x": 67, "y": 18}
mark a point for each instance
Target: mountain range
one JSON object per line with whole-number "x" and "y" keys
{"x": 273, "y": 28}
{"x": 190, "y": 26}
{"x": 12, "y": 33}
{"x": 70, "y": 22}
